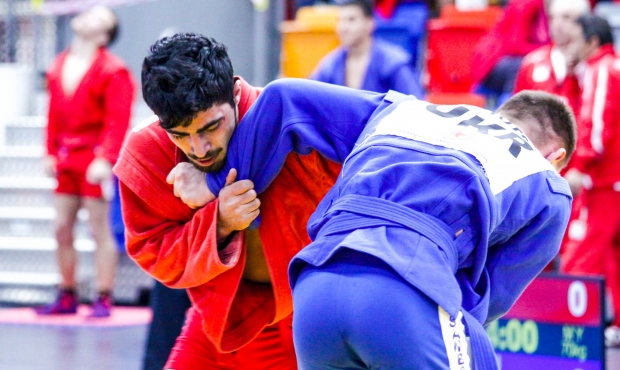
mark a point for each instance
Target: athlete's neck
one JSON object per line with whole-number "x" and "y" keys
{"x": 360, "y": 50}
{"x": 83, "y": 48}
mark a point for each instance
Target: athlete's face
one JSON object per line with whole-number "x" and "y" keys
{"x": 94, "y": 24}
{"x": 581, "y": 48}
{"x": 353, "y": 26}
{"x": 562, "y": 16}
{"x": 205, "y": 140}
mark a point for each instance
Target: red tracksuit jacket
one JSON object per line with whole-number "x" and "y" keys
{"x": 522, "y": 28}
{"x": 598, "y": 143}
{"x": 538, "y": 72}
{"x": 94, "y": 121}
{"x": 177, "y": 245}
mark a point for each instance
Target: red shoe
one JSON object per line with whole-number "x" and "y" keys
{"x": 66, "y": 303}
{"x": 101, "y": 307}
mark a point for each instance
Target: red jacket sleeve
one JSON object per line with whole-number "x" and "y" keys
{"x": 118, "y": 100}
{"x": 596, "y": 133}
{"x": 520, "y": 17}
{"x": 523, "y": 77}
{"x": 179, "y": 254}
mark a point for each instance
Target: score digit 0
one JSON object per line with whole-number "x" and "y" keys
{"x": 577, "y": 298}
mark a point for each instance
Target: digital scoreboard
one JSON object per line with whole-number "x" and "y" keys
{"x": 556, "y": 324}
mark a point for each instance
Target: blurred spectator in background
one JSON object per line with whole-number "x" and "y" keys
{"x": 364, "y": 62}
{"x": 595, "y": 163}
{"x": 498, "y": 55}
{"x": 169, "y": 307}
{"x": 91, "y": 94}
{"x": 550, "y": 67}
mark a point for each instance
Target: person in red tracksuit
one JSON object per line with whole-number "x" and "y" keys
{"x": 550, "y": 68}
{"x": 237, "y": 281}
{"x": 595, "y": 163}
{"x": 91, "y": 94}
{"x": 522, "y": 28}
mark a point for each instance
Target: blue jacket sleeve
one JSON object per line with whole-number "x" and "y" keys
{"x": 295, "y": 115}
{"x": 514, "y": 263}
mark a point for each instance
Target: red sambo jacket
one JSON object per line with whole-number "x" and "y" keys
{"x": 177, "y": 245}
{"x": 94, "y": 120}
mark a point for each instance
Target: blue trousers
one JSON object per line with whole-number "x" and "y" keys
{"x": 355, "y": 312}
{"x": 169, "y": 307}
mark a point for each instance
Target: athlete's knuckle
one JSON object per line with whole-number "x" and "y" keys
{"x": 247, "y": 184}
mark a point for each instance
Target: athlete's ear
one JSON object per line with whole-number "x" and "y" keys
{"x": 237, "y": 91}
{"x": 556, "y": 157}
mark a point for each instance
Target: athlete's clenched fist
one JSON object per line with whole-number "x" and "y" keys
{"x": 238, "y": 207}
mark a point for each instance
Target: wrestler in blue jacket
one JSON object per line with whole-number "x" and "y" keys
{"x": 455, "y": 201}
{"x": 389, "y": 68}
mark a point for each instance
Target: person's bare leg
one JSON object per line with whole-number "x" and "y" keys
{"x": 67, "y": 207}
{"x": 106, "y": 254}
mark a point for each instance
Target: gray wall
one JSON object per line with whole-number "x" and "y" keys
{"x": 228, "y": 21}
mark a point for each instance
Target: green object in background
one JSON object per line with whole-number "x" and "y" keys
{"x": 259, "y": 5}
{"x": 36, "y": 4}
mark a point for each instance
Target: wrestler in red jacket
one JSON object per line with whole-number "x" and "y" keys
{"x": 240, "y": 317}
{"x": 91, "y": 95}
{"x": 93, "y": 122}
{"x": 595, "y": 163}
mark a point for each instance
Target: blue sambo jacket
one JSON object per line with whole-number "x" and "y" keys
{"x": 389, "y": 68}
{"x": 455, "y": 198}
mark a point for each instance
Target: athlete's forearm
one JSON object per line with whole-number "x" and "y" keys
{"x": 177, "y": 253}
{"x": 512, "y": 265}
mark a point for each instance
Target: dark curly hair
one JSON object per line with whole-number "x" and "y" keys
{"x": 186, "y": 74}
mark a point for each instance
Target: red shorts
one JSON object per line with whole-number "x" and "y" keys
{"x": 74, "y": 183}
{"x": 271, "y": 350}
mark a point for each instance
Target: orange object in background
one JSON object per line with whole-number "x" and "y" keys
{"x": 307, "y": 39}
{"x": 456, "y": 98}
{"x": 450, "y": 46}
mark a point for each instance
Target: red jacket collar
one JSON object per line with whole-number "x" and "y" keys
{"x": 600, "y": 53}
{"x": 249, "y": 94}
